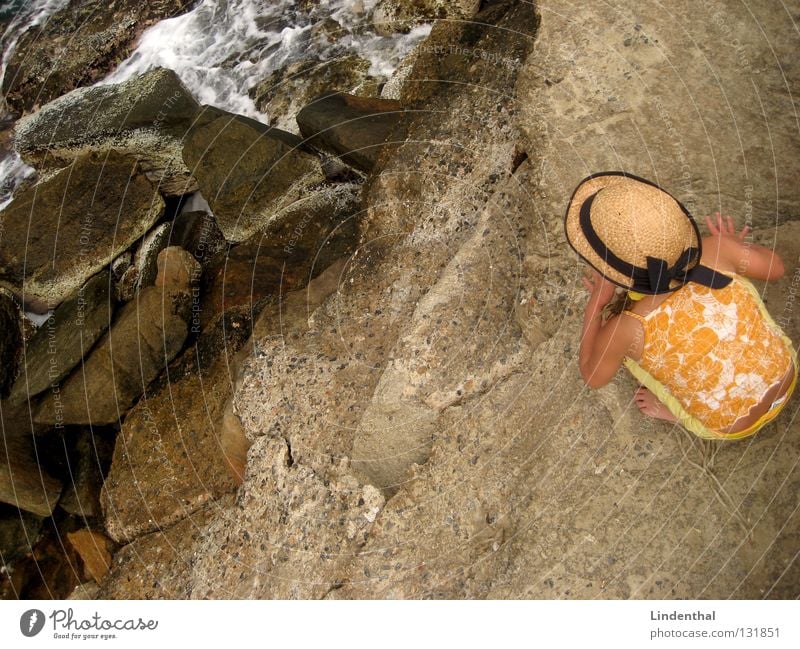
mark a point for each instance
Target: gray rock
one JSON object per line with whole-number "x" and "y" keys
{"x": 23, "y": 483}
{"x": 19, "y": 531}
{"x": 281, "y": 95}
{"x": 393, "y": 16}
{"x": 10, "y": 341}
{"x": 357, "y": 129}
{"x": 147, "y": 334}
{"x": 60, "y": 232}
{"x": 145, "y": 117}
{"x": 81, "y": 495}
{"x": 64, "y": 339}
{"x": 248, "y": 172}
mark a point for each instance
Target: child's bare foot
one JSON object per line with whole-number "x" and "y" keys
{"x": 649, "y": 405}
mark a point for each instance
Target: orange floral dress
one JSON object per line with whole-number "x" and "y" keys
{"x": 716, "y": 351}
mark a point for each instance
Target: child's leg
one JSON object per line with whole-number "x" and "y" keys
{"x": 649, "y": 405}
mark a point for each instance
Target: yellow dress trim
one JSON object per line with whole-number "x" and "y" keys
{"x": 690, "y": 422}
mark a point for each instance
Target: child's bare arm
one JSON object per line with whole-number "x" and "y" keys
{"x": 728, "y": 250}
{"x": 603, "y": 346}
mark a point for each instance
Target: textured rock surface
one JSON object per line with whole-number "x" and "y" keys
{"x": 64, "y": 339}
{"x": 307, "y": 237}
{"x": 60, "y": 232}
{"x": 248, "y": 172}
{"x": 167, "y": 460}
{"x": 281, "y": 95}
{"x": 147, "y": 334}
{"x": 23, "y": 483}
{"x": 77, "y": 46}
{"x": 358, "y": 129}
{"x": 145, "y": 117}
{"x": 159, "y": 565}
{"x": 391, "y": 16}
{"x": 701, "y": 103}
{"x": 10, "y": 341}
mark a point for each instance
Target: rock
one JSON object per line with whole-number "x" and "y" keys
{"x": 177, "y": 269}
{"x": 158, "y": 565}
{"x": 197, "y": 233}
{"x": 281, "y": 95}
{"x": 248, "y": 172}
{"x": 682, "y": 135}
{"x": 64, "y": 339}
{"x": 145, "y": 117}
{"x": 77, "y": 46}
{"x": 295, "y": 247}
{"x": 167, "y": 461}
{"x": 23, "y": 483}
{"x": 19, "y": 531}
{"x": 10, "y": 342}
{"x": 296, "y": 539}
{"x": 148, "y": 332}
{"x": 87, "y": 591}
{"x": 94, "y": 550}
{"x": 393, "y": 16}
{"x": 88, "y": 467}
{"x": 145, "y": 261}
{"x": 59, "y": 233}
{"x": 356, "y": 128}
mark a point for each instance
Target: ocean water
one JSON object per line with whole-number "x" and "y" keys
{"x": 222, "y": 48}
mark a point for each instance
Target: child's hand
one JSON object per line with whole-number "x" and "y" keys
{"x": 598, "y": 286}
{"x": 723, "y": 226}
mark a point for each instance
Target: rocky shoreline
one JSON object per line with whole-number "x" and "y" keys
{"x": 333, "y": 356}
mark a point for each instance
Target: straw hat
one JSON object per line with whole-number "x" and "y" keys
{"x": 636, "y": 234}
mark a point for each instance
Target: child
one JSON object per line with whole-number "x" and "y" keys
{"x": 698, "y": 337}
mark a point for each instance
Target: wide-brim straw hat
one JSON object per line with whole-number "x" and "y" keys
{"x": 635, "y": 234}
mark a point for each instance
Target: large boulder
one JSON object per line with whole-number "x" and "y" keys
{"x": 23, "y": 482}
{"x": 284, "y": 92}
{"x": 146, "y": 117}
{"x": 64, "y": 338}
{"x": 60, "y": 232}
{"x": 356, "y": 128}
{"x": 77, "y": 46}
{"x": 147, "y": 334}
{"x": 10, "y": 341}
{"x": 309, "y": 236}
{"x": 248, "y": 172}
{"x": 167, "y": 460}
{"x": 392, "y": 16}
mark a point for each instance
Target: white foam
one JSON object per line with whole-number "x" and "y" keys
{"x": 223, "y": 48}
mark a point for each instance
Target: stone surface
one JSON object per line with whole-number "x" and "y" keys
{"x": 284, "y": 93}
{"x": 177, "y": 269}
{"x": 23, "y": 483}
{"x": 197, "y": 232}
{"x": 10, "y": 342}
{"x": 88, "y": 467}
{"x": 78, "y": 46}
{"x": 168, "y": 460}
{"x": 19, "y": 531}
{"x": 630, "y": 90}
{"x": 392, "y": 16}
{"x": 356, "y": 128}
{"x": 248, "y": 172}
{"x": 93, "y": 549}
{"x": 145, "y": 117}
{"x": 64, "y": 338}
{"x": 60, "y": 232}
{"x": 290, "y": 530}
{"x": 159, "y": 565}
{"x": 309, "y": 235}
{"x": 148, "y": 332}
